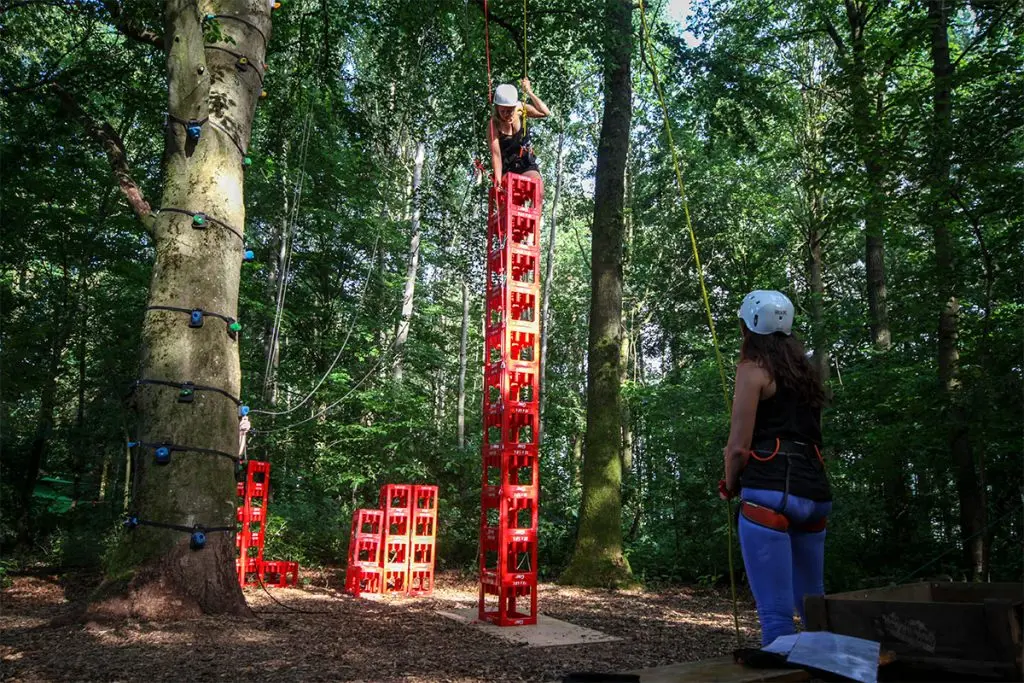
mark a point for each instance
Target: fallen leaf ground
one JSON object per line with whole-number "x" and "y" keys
{"x": 340, "y": 638}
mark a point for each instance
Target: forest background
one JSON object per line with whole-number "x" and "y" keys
{"x": 866, "y": 158}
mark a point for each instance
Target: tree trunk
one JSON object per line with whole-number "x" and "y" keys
{"x": 549, "y": 273}
{"x": 194, "y": 268}
{"x": 463, "y": 356}
{"x": 402, "y": 334}
{"x": 867, "y": 129}
{"x": 276, "y": 279}
{"x": 597, "y": 559}
{"x": 972, "y": 511}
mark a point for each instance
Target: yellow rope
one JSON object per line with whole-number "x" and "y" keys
{"x": 525, "y": 75}
{"x": 703, "y": 288}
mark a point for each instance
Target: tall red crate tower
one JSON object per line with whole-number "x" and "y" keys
{"x": 396, "y": 504}
{"x": 511, "y": 474}
{"x": 424, "y": 539}
{"x": 252, "y": 516}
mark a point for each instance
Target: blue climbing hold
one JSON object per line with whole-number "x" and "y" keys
{"x": 133, "y": 444}
{"x": 194, "y": 129}
{"x": 198, "y": 540}
{"x": 131, "y": 522}
{"x": 243, "y": 411}
{"x": 249, "y": 255}
{"x": 162, "y": 455}
{"x": 196, "y": 319}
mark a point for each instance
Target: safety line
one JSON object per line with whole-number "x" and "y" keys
{"x": 703, "y": 288}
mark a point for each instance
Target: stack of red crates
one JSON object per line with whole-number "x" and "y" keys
{"x": 391, "y": 550}
{"x": 252, "y": 515}
{"x": 365, "y": 570}
{"x": 511, "y": 475}
{"x": 424, "y": 539}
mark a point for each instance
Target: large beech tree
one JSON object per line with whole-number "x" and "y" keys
{"x": 215, "y": 52}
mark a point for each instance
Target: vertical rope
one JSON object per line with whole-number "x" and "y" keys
{"x": 525, "y": 63}
{"x": 703, "y": 287}
{"x": 487, "y": 48}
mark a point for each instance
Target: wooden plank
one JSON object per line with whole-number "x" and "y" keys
{"x": 816, "y": 610}
{"x": 1000, "y": 617}
{"x": 942, "y": 630}
{"x": 908, "y": 592}
{"x": 722, "y": 670}
{"x": 976, "y": 592}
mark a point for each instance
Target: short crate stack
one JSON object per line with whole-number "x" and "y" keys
{"x": 252, "y": 516}
{"x": 391, "y": 549}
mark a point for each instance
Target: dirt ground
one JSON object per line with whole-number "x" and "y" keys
{"x": 340, "y": 638}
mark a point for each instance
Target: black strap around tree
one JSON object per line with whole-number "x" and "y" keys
{"x": 193, "y": 214}
{"x": 172, "y": 447}
{"x": 189, "y": 385}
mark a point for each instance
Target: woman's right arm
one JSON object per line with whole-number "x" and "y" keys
{"x": 495, "y": 152}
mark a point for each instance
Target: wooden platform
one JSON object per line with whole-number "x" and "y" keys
{"x": 722, "y": 670}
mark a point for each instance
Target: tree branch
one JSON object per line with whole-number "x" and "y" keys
{"x": 513, "y": 30}
{"x": 131, "y": 28}
{"x": 113, "y": 147}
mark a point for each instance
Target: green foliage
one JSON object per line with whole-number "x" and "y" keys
{"x": 762, "y": 116}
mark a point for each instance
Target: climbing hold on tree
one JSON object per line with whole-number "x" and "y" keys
{"x": 247, "y": 161}
{"x": 133, "y": 444}
{"x": 187, "y": 392}
{"x": 194, "y": 129}
{"x": 235, "y": 326}
{"x": 243, "y": 411}
{"x": 249, "y": 255}
{"x": 196, "y": 319}
{"x": 131, "y": 522}
{"x": 277, "y": 5}
{"x": 263, "y": 95}
{"x": 209, "y": 17}
{"x": 242, "y": 63}
{"x": 198, "y": 540}
{"x": 199, "y": 220}
{"x": 162, "y": 455}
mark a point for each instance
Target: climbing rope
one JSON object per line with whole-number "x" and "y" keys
{"x": 344, "y": 343}
{"x": 487, "y": 49}
{"x": 703, "y": 289}
{"x": 525, "y": 64}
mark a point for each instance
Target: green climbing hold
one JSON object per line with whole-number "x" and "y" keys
{"x": 199, "y": 220}
{"x": 235, "y": 326}
{"x": 247, "y": 161}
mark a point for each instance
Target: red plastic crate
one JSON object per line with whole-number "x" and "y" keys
{"x": 424, "y": 499}
{"x": 396, "y": 578}
{"x": 421, "y": 579}
{"x": 362, "y": 580}
{"x": 280, "y": 574}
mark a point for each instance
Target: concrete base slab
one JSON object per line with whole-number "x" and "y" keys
{"x": 547, "y": 632}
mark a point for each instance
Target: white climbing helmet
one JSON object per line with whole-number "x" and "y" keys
{"x": 506, "y": 95}
{"x": 766, "y": 311}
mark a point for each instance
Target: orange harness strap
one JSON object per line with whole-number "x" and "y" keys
{"x": 776, "y": 520}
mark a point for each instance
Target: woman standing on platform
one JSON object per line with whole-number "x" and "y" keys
{"x": 511, "y": 150}
{"x": 773, "y": 460}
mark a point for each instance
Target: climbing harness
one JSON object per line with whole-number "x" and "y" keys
{"x": 703, "y": 288}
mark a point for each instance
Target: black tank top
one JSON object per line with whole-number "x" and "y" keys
{"x": 516, "y": 151}
{"x": 787, "y": 422}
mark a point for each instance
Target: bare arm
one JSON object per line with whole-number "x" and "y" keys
{"x": 492, "y": 136}
{"x": 750, "y": 380}
{"x": 535, "y": 108}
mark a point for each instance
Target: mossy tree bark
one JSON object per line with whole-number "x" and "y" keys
{"x": 194, "y": 268}
{"x": 947, "y": 280}
{"x": 597, "y": 559}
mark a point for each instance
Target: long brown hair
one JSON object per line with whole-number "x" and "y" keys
{"x": 784, "y": 359}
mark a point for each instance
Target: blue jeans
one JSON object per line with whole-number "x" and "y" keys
{"x": 783, "y": 567}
